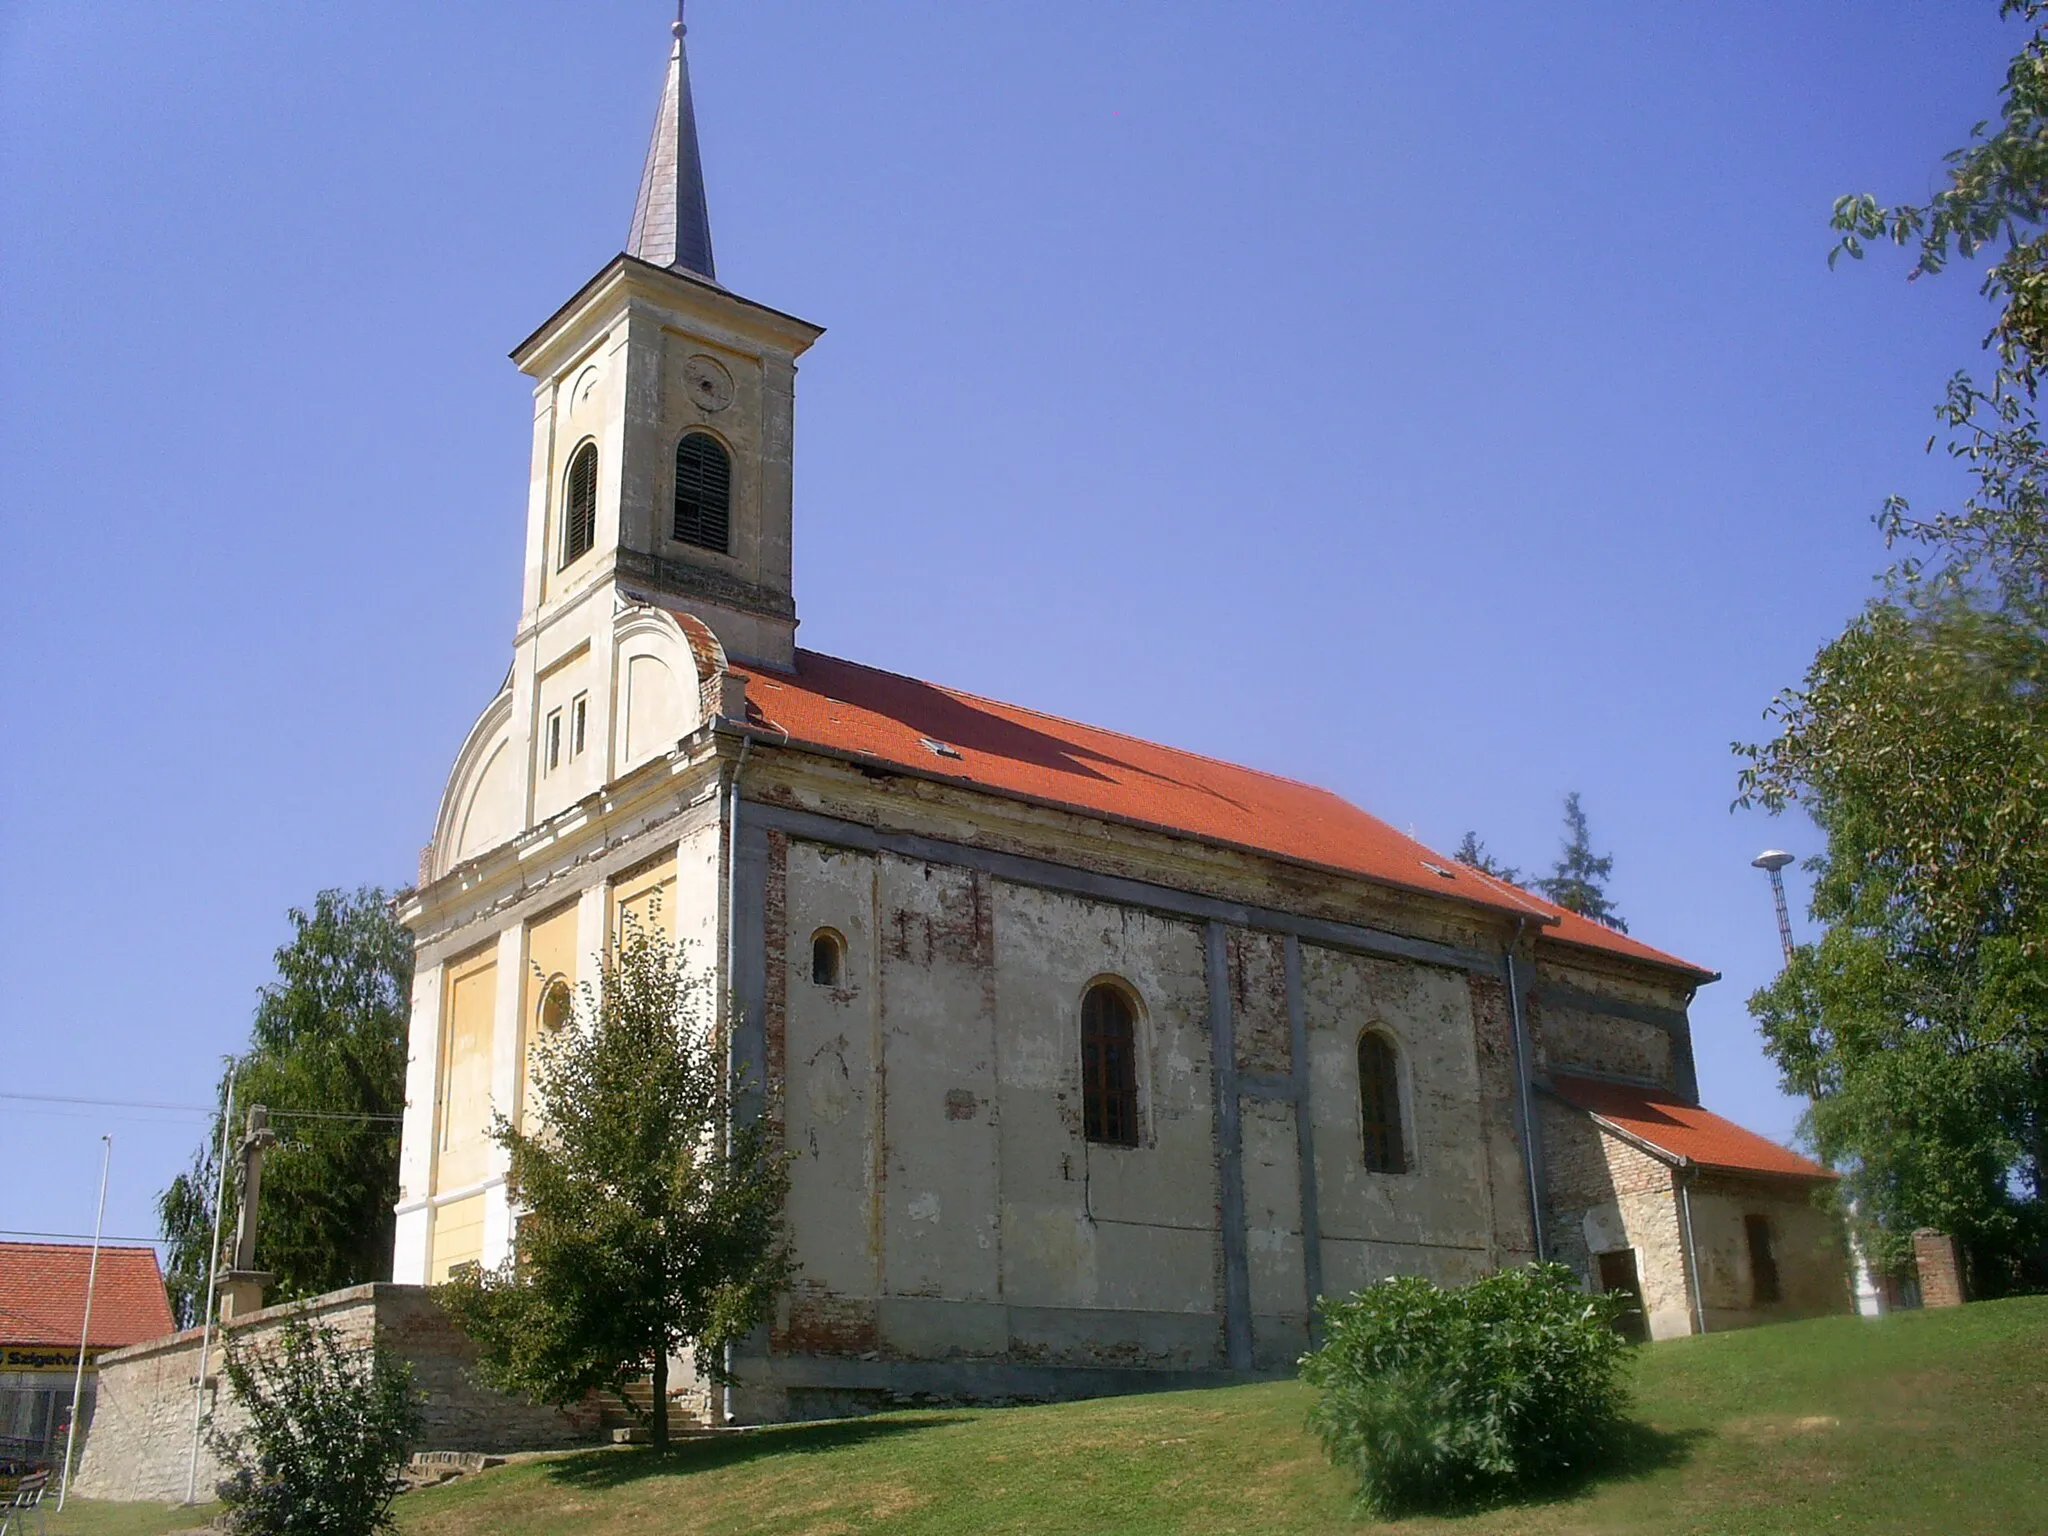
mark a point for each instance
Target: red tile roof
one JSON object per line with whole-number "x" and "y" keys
{"x": 1682, "y": 1130}
{"x": 42, "y": 1295}
{"x": 845, "y": 708}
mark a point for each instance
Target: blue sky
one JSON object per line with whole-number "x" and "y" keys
{"x": 1452, "y": 406}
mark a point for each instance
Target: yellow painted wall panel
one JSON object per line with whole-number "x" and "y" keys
{"x": 646, "y": 897}
{"x": 463, "y": 1115}
{"x": 550, "y": 965}
{"x": 458, "y": 1236}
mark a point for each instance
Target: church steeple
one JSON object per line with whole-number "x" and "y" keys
{"x": 671, "y": 227}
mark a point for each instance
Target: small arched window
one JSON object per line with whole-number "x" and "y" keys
{"x": 703, "y": 492}
{"x": 828, "y": 954}
{"x": 1109, "y": 1067}
{"x": 579, "y": 522}
{"x": 1379, "y": 1103}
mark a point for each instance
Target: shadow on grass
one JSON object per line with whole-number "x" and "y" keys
{"x": 729, "y": 1448}
{"x": 1639, "y": 1451}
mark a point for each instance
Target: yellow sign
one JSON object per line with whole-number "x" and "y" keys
{"x": 37, "y": 1357}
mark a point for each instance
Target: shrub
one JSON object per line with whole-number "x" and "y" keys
{"x": 1436, "y": 1398}
{"x": 327, "y": 1435}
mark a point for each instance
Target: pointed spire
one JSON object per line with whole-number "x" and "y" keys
{"x": 671, "y": 227}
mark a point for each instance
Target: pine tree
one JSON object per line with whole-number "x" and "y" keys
{"x": 1472, "y": 852}
{"x": 1577, "y": 881}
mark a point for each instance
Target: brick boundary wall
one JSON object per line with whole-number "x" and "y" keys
{"x": 140, "y": 1442}
{"x": 1941, "y": 1277}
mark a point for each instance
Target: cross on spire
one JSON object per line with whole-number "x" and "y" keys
{"x": 671, "y": 226}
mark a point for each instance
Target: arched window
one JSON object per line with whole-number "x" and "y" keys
{"x": 1379, "y": 1103}
{"x": 828, "y": 952}
{"x": 703, "y": 492}
{"x": 1109, "y": 1067}
{"x": 579, "y": 523}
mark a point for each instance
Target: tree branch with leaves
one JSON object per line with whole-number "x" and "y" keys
{"x": 649, "y": 1211}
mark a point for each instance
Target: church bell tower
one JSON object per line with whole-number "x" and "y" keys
{"x": 663, "y": 422}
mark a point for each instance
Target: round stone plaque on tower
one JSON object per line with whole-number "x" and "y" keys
{"x": 707, "y": 383}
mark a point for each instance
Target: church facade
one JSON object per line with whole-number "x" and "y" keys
{"x": 1099, "y": 1061}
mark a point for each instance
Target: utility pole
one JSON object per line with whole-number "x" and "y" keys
{"x": 220, "y": 1195}
{"x": 92, "y": 1275}
{"x": 1869, "y": 1299}
{"x": 1773, "y": 861}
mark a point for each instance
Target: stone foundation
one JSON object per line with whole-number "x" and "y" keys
{"x": 140, "y": 1445}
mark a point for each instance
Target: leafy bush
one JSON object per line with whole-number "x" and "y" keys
{"x": 1436, "y": 1398}
{"x": 329, "y": 1429}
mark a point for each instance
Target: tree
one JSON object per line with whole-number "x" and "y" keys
{"x": 1576, "y": 881}
{"x": 1472, "y": 852}
{"x": 326, "y": 1054}
{"x": 1918, "y": 743}
{"x": 650, "y": 1214}
{"x": 324, "y": 1441}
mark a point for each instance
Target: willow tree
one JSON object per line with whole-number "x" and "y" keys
{"x": 326, "y": 1054}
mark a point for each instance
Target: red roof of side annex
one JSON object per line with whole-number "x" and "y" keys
{"x": 862, "y": 712}
{"x": 42, "y": 1295}
{"x": 1684, "y": 1131}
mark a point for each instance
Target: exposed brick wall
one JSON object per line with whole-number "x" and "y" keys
{"x": 1258, "y": 995}
{"x": 1605, "y": 1195}
{"x": 709, "y": 657}
{"x": 140, "y": 1443}
{"x": 775, "y": 997}
{"x": 1941, "y": 1276}
{"x": 814, "y": 1321}
{"x": 1493, "y": 1045}
{"x": 1573, "y": 1040}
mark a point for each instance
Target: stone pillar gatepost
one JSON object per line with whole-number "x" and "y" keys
{"x": 1941, "y": 1274}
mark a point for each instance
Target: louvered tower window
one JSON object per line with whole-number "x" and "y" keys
{"x": 1379, "y": 1104}
{"x": 579, "y": 525}
{"x": 1109, "y": 1067}
{"x": 703, "y": 492}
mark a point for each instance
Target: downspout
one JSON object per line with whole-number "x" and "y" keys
{"x": 732, "y": 972}
{"x": 1528, "y": 1115}
{"x": 1688, "y": 1170}
{"x": 732, "y": 888}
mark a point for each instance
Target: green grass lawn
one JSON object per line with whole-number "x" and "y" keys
{"x": 1925, "y": 1422}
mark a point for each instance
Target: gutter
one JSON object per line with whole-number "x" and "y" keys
{"x": 1688, "y": 1172}
{"x": 1520, "y": 1029}
{"x": 747, "y": 734}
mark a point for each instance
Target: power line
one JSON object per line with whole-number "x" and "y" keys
{"x": 58, "y": 1098}
{"x": 197, "y": 1109}
{"x": 84, "y": 1237}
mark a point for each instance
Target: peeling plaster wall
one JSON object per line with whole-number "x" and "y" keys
{"x": 945, "y": 1205}
{"x": 1436, "y": 1219}
{"x": 944, "y": 1202}
{"x": 1806, "y": 1242}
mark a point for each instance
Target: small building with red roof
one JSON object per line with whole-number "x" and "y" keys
{"x": 43, "y": 1290}
{"x": 1099, "y": 1060}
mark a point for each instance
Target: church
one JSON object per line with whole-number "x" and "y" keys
{"x": 1099, "y": 1061}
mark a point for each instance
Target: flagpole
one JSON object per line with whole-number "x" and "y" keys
{"x": 220, "y": 1200}
{"x": 92, "y": 1275}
